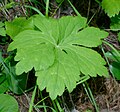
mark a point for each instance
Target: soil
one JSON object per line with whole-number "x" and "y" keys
{"x": 106, "y": 93}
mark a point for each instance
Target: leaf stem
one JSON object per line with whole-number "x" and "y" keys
{"x": 35, "y": 9}
{"x": 54, "y": 105}
{"x": 41, "y": 101}
{"x": 44, "y": 106}
{"x": 32, "y": 99}
{"x": 47, "y": 8}
{"x": 58, "y": 105}
{"x": 105, "y": 56}
{"x": 117, "y": 53}
{"x": 98, "y": 2}
{"x": 74, "y": 8}
{"x": 91, "y": 97}
{"x": 57, "y": 8}
{"x": 83, "y": 79}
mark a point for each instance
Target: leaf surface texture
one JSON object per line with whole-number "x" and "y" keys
{"x": 59, "y": 51}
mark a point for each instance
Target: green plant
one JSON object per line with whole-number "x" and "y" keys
{"x": 8, "y": 78}
{"x": 2, "y": 29}
{"x": 114, "y": 57}
{"x": 115, "y": 23}
{"x": 32, "y": 100}
{"x": 111, "y": 7}
{"x": 60, "y": 52}
{"x": 90, "y": 95}
{"x": 10, "y": 82}
{"x": 8, "y": 103}
{"x": 3, "y": 83}
{"x": 33, "y": 8}
{"x": 5, "y": 5}
{"x": 59, "y": 1}
{"x": 18, "y": 25}
{"x": 88, "y": 110}
{"x": 119, "y": 36}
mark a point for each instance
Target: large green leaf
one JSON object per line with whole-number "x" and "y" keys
{"x": 8, "y": 103}
{"x": 63, "y": 72}
{"x": 111, "y": 7}
{"x": 34, "y": 52}
{"x": 59, "y": 51}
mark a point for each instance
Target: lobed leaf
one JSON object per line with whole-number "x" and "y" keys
{"x": 32, "y": 51}
{"x": 89, "y": 37}
{"x": 87, "y": 60}
{"x": 63, "y": 72}
{"x": 59, "y": 50}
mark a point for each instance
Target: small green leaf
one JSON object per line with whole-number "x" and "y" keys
{"x": 3, "y": 83}
{"x": 60, "y": 50}
{"x": 119, "y": 36}
{"x": 8, "y": 103}
{"x": 88, "y": 110}
{"x": 115, "y": 64}
{"x": 18, "y": 25}
{"x": 115, "y": 23}
{"x": 17, "y": 84}
{"x": 2, "y": 32}
{"x": 112, "y": 55}
{"x": 9, "y": 5}
{"x": 1, "y": 24}
{"x": 111, "y": 7}
{"x": 115, "y": 69}
{"x": 2, "y": 77}
{"x": 3, "y": 86}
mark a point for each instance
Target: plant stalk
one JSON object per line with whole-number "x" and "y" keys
{"x": 47, "y": 8}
